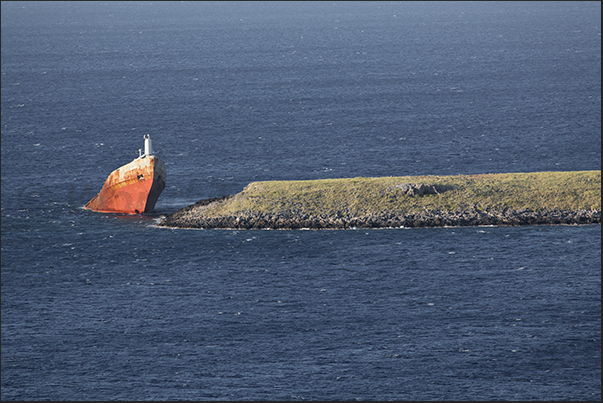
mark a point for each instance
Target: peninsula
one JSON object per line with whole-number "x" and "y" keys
{"x": 406, "y": 201}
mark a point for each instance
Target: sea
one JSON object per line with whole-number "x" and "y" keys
{"x": 112, "y": 307}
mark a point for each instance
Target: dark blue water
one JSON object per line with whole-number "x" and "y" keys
{"x": 110, "y": 307}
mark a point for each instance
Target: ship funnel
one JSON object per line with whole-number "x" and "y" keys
{"x": 148, "y": 150}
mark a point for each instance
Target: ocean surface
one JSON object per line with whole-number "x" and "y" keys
{"x": 110, "y": 307}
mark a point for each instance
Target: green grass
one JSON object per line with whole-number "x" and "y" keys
{"x": 363, "y": 196}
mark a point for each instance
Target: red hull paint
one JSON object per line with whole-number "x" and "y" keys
{"x": 131, "y": 189}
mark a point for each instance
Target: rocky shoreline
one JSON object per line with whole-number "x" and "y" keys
{"x": 192, "y": 217}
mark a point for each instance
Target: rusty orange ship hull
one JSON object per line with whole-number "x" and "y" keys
{"x": 131, "y": 189}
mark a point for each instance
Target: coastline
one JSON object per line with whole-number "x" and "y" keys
{"x": 387, "y": 220}
{"x": 412, "y": 202}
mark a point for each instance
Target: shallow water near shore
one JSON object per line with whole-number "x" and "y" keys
{"x": 112, "y": 307}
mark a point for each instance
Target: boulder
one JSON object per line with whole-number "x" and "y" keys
{"x": 419, "y": 189}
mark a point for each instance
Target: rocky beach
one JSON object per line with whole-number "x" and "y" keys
{"x": 193, "y": 218}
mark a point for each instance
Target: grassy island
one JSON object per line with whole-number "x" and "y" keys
{"x": 415, "y": 201}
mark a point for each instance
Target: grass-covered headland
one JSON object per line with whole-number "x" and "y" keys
{"x": 406, "y": 201}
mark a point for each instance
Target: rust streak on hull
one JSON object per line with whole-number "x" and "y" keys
{"x": 131, "y": 189}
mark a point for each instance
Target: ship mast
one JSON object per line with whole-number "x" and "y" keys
{"x": 148, "y": 150}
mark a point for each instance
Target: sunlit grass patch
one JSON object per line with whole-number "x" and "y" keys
{"x": 357, "y": 197}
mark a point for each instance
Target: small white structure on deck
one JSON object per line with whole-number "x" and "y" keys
{"x": 148, "y": 147}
